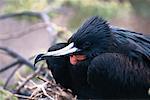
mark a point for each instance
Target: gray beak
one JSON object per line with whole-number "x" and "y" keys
{"x": 66, "y": 50}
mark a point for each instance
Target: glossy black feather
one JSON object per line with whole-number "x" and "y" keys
{"x": 135, "y": 42}
{"x": 114, "y": 75}
{"x": 60, "y": 66}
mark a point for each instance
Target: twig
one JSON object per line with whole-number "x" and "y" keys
{"x": 41, "y": 87}
{"x": 23, "y": 97}
{"x": 23, "y": 79}
{"x": 39, "y": 94}
{"x": 20, "y": 77}
{"x": 51, "y": 28}
{"x": 51, "y": 76}
{"x": 26, "y": 13}
{"x": 43, "y": 16}
{"x": 17, "y": 56}
{"x": 45, "y": 93}
{"x": 9, "y": 66}
{"x": 12, "y": 65}
{"x": 28, "y": 78}
{"x": 11, "y": 75}
{"x": 49, "y": 89}
{"x": 42, "y": 78}
{"x": 24, "y": 32}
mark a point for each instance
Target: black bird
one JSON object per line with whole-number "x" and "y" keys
{"x": 100, "y": 61}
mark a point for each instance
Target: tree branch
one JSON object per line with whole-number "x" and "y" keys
{"x": 23, "y": 33}
{"x": 23, "y": 97}
{"x": 11, "y": 75}
{"x": 12, "y": 64}
{"x": 26, "y": 13}
{"x": 9, "y": 66}
{"x": 29, "y": 78}
{"x": 17, "y": 56}
{"x": 43, "y": 16}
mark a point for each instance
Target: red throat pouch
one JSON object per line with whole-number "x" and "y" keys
{"x": 74, "y": 59}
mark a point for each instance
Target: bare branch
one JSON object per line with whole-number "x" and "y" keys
{"x": 43, "y": 16}
{"x": 23, "y": 97}
{"x": 11, "y": 75}
{"x": 12, "y": 65}
{"x": 42, "y": 78}
{"x": 26, "y": 13}
{"x": 51, "y": 29}
{"x": 29, "y": 78}
{"x": 23, "y": 33}
{"x": 9, "y": 66}
{"x": 17, "y": 56}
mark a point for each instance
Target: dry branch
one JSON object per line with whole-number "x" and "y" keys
{"x": 9, "y": 66}
{"x": 29, "y": 78}
{"x": 27, "y": 13}
{"x": 23, "y": 33}
{"x": 23, "y": 97}
{"x": 17, "y": 56}
{"x": 43, "y": 16}
{"x": 11, "y": 75}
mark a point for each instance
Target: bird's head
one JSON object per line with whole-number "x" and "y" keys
{"x": 53, "y": 56}
{"x": 91, "y": 39}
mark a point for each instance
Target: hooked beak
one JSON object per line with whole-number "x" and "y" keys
{"x": 64, "y": 51}
{"x": 38, "y": 58}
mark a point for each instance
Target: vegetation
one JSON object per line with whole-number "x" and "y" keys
{"x": 5, "y": 95}
{"x": 82, "y": 8}
{"x": 25, "y": 5}
{"x": 87, "y": 8}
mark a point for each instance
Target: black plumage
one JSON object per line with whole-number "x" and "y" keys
{"x": 117, "y": 63}
{"x": 60, "y": 67}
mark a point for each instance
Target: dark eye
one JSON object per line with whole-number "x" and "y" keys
{"x": 86, "y": 45}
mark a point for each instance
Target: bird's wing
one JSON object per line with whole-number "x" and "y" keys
{"x": 111, "y": 71}
{"x": 136, "y": 42}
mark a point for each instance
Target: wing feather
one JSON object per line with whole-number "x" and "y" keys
{"x": 136, "y": 42}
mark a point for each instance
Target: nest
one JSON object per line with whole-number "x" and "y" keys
{"x": 42, "y": 87}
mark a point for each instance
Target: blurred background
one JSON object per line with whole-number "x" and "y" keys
{"x": 30, "y": 27}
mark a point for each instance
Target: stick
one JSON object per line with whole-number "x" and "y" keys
{"x": 42, "y": 78}
{"x": 28, "y": 79}
{"x": 26, "y": 13}
{"x": 11, "y": 75}
{"x": 17, "y": 56}
{"x": 25, "y": 32}
{"x": 23, "y": 97}
{"x": 9, "y": 66}
{"x": 12, "y": 64}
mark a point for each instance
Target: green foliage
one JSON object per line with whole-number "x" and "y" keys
{"x": 25, "y": 5}
{"x": 5, "y": 95}
{"x": 87, "y": 8}
{"x": 82, "y": 8}
{"x": 13, "y": 6}
{"x": 30, "y": 5}
{"x": 1, "y": 83}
